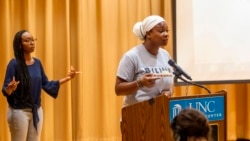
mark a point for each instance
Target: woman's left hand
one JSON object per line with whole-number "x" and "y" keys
{"x": 72, "y": 72}
{"x": 167, "y": 93}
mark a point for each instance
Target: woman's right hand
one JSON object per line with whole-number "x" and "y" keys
{"x": 148, "y": 80}
{"x": 12, "y": 86}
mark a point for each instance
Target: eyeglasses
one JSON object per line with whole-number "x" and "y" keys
{"x": 29, "y": 40}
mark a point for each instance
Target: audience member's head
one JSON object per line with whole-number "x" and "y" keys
{"x": 191, "y": 125}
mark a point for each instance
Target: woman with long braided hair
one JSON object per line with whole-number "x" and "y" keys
{"x": 24, "y": 80}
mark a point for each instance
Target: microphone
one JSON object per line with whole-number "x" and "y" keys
{"x": 178, "y": 69}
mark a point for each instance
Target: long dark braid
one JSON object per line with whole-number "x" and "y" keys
{"x": 22, "y": 72}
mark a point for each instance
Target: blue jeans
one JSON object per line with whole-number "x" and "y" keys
{"x": 21, "y": 124}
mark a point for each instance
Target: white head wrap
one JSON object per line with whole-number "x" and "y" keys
{"x": 140, "y": 28}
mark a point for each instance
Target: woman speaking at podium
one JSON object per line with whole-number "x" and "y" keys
{"x": 143, "y": 72}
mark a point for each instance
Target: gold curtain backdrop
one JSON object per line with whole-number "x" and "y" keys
{"x": 92, "y": 35}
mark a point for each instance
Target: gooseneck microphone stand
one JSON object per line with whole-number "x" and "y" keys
{"x": 178, "y": 76}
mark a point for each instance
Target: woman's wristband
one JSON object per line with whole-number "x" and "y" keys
{"x": 139, "y": 83}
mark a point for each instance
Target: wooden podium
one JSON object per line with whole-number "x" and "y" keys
{"x": 150, "y": 120}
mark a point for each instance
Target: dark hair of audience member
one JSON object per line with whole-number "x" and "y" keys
{"x": 190, "y": 123}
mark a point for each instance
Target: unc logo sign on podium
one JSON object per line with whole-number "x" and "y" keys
{"x": 212, "y": 107}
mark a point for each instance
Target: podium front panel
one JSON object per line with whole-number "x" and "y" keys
{"x": 150, "y": 120}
